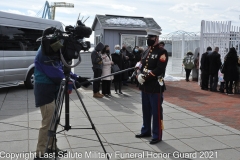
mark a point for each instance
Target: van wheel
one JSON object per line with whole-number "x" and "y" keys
{"x": 29, "y": 83}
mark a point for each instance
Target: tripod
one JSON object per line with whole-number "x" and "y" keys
{"x": 65, "y": 89}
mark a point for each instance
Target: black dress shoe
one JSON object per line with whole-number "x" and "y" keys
{"x": 142, "y": 135}
{"x": 154, "y": 141}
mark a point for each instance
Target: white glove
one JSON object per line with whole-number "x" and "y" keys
{"x": 140, "y": 79}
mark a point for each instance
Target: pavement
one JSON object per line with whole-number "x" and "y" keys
{"x": 188, "y": 134}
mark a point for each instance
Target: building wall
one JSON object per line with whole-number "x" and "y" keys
{"x": 113, "y": 37}
{"x": 84, "y": 69}
{"x": 98, "y": 31}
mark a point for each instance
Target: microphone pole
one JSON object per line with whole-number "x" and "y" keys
{"x": 99, "y": 78}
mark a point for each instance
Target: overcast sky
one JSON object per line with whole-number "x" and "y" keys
{"x": 171, "y": 15}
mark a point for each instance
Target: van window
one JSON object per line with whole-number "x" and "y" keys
{"x": 20, "y": 39}
{"x": 1, "y": 40}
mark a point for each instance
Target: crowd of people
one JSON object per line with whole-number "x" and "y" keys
{"x": 213, "y": 70}
{"x": 102, "y": 61}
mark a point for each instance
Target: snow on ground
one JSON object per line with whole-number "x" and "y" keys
{"x": 171, "y": 78}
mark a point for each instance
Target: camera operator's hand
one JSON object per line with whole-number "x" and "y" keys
{"x": 84, "y": 79}
{"x": 77, "y": 84}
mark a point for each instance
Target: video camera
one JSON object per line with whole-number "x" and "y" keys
{"x": 68, "y": 44}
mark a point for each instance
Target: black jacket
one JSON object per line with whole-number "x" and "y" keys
{"x": 119, "y": 60}
{"x": 137, "y": 57}
{"x": 96, "y": 56}
{"x": 127, "y": 62}
{"x": 214, "y": 62}
{"x": 205, "y": 62}
{"x": 231, "y": 68}
{"x": 156, "y": 61}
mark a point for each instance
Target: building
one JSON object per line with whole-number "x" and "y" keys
{"x": 116, "y": 29}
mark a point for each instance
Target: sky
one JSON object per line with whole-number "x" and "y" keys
{"x": 171, "y": 15}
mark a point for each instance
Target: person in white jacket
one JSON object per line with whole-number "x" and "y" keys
{"x": 106, "y": 70}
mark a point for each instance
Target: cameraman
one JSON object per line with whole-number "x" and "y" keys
{"x": 48, "y": 76}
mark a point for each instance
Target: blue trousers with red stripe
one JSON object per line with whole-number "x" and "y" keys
{"x": 152, "y": 107}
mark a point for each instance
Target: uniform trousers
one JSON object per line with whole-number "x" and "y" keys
{"x": 152, "y": 107}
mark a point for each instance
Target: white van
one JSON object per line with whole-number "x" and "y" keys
{"x": 18, "y": 47}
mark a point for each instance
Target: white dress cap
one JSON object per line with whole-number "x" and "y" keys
{"x": 152, "y": 32}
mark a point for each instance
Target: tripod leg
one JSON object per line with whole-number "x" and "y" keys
{"x": 89, "y": 118}
{"x": 55, "y": 120}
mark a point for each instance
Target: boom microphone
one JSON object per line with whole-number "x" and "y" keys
{"x": 83, "y": 31}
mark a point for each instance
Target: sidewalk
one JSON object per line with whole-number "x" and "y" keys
{"x": 118, "y": 120}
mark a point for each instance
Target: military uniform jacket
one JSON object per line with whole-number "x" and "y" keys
{"x": 155, "y": 62}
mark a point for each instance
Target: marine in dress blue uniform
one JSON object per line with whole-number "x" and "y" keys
{"x": 153, "y": 64}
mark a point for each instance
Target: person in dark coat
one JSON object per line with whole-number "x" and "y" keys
{"x": 214, "y": 65}
{"x": 196, "y": 63}
{"x": 128, "y": 57}
{"x": 231, "y": 70}
{"x": 97, "y": 69}
{"x": 205, "y": 69}
{"x": 133, "y": 62}
{"x": 118, "y": 59}
{"x": 137, "y": 57}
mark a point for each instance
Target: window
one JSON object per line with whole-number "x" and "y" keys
{"x": 98, "y": 39}
{"x": 20, "y": 39}
{"x": 1, "y": 41}
{"x": 133, "y": 40}
{"x": 141, "y": 41}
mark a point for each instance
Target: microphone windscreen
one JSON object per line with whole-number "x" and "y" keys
{"x": 83, "y": 31}
{"x": 68, "y": 28}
